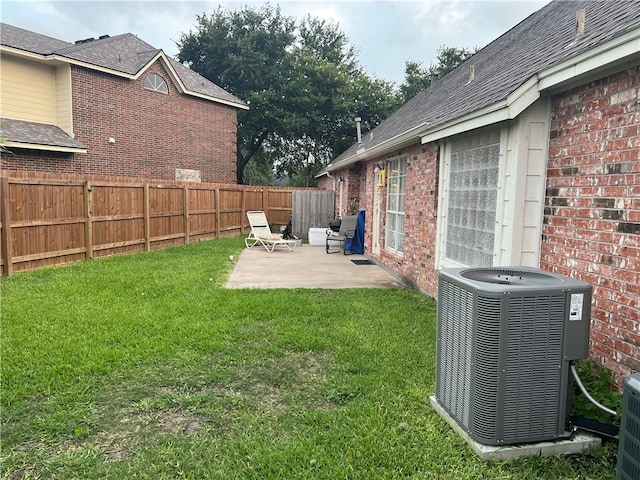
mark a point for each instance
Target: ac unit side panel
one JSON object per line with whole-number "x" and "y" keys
{"x": 486, "y": 373}
{"x": 454, "y": 340}
{"x": 629, "y": 441}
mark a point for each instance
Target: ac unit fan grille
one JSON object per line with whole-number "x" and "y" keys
{"x": 533, "y": 353}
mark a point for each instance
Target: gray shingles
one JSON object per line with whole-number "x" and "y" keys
{"x": 123, "y": 53}
{"x": 37, "y": 133}
{"x": 29, "y": 41}
{"x": 537, "y": 43}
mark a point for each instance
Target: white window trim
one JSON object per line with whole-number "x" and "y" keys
{"x": 521, "y": 184}
{"x": 404, "y": 212}
{"x": 443, "y": 204}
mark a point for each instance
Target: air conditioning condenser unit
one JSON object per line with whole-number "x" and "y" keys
{"x": 505, "y": 340}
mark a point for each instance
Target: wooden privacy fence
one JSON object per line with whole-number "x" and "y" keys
{"x": 51, "y": 219}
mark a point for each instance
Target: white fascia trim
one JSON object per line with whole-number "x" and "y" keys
{"x": 387, "y": 146}
{"x": 600, "y": 57}
{"x": 508, "y": 109}
{"x": 181, "y": 87}
{"x": 47, "y": 148}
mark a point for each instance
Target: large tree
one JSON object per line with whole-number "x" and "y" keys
{"x": 302, "y": 82}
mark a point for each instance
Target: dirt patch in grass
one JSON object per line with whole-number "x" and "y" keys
{"x": 293, "y": 380}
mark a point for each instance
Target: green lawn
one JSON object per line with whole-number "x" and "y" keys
{"x": 144, "y": 366}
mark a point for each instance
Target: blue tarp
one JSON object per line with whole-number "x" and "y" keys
{"x": 356, "y": 244}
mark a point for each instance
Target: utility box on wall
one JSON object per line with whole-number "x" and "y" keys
{"x": 505, "y": 340}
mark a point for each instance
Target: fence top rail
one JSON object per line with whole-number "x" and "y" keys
{"x": 35, "y": 181}
{"x": 35, "y": 178}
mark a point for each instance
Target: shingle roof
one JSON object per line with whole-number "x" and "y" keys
{"x": 32, "y": 133}
{"x": 543, "y": 40}
{"x": 124, "y": 53}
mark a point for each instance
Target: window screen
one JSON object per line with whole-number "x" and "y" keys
{"x": 472, "y": 199}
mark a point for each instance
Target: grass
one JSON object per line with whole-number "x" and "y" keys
{"x": 143, "y": 366}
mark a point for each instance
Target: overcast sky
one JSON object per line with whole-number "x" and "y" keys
{"x": 385, "y": 33}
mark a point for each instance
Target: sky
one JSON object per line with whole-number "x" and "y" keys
{"x": 385, "y": 33}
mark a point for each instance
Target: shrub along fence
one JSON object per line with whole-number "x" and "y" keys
{"x": 49, "y": 219}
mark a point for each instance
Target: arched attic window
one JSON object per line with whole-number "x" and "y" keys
{"x": 156, "y": 83}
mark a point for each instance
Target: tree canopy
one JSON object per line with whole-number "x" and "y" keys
{"x": 302, "y": 82}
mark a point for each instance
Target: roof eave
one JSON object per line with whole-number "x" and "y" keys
{"x": 362, "y": 154}
{"x": 184, "y": 90}
{"x": 597, "y": 59}
{"x": 608, "y": 56}
{"x": 46, "y": 148}
{"x": 507, "y": 109}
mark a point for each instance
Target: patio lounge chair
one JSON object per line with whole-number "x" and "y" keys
{"x": 335, "y": 242}
{"x": 261, "y": 233}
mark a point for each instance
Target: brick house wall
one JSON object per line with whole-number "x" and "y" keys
{"x": 591, "y": 225}
{"x": 155, "y": 133}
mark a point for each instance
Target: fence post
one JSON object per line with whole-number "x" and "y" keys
{"x": 145, "y": 207}
{"x": 6, "y": 227}
{"x": 88, "y": 222}
{"x": 265, "y": 201}
{"x": 185, "y": 213}
{"x": 243, "y": 213}
{"x": 217, "y": 207}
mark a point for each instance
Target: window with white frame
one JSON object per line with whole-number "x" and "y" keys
{"x": 396, "y": 192}
{"x": 472, "y": 195}
{"x": 156, "y": 83}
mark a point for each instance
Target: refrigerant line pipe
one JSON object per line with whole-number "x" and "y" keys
{"x": 584, "y": 390}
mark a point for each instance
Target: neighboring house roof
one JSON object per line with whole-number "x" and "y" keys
{"x": 124, "y": 55}
{"x": 545, "y": 50}
{"x": 32, "y": 135}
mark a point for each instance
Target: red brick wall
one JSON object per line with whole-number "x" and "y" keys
{"x": 591, "y": 225}
{"x": 154, "y": 133}
{"x": 417, "y": 263}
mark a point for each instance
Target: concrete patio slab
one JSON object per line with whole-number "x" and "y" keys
{"x": 577, "y": 443}
{"x": 307, "y": 267}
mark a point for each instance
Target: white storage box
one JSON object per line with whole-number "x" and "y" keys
{"x": 317, "y": 236}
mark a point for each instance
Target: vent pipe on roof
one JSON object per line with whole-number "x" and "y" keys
{"x": 581, "y": 17}
{"x": 472, "y": 74}
{"x": 358, "y": 132}
{"x": 581, "y": 20}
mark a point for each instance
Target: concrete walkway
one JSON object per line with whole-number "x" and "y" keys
{"x": 306, "y": 267}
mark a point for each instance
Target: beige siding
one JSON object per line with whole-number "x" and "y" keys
{"x": 28, "y": 90}
{"x": 523, "y": 187}
{"x": 64, "y": 113}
